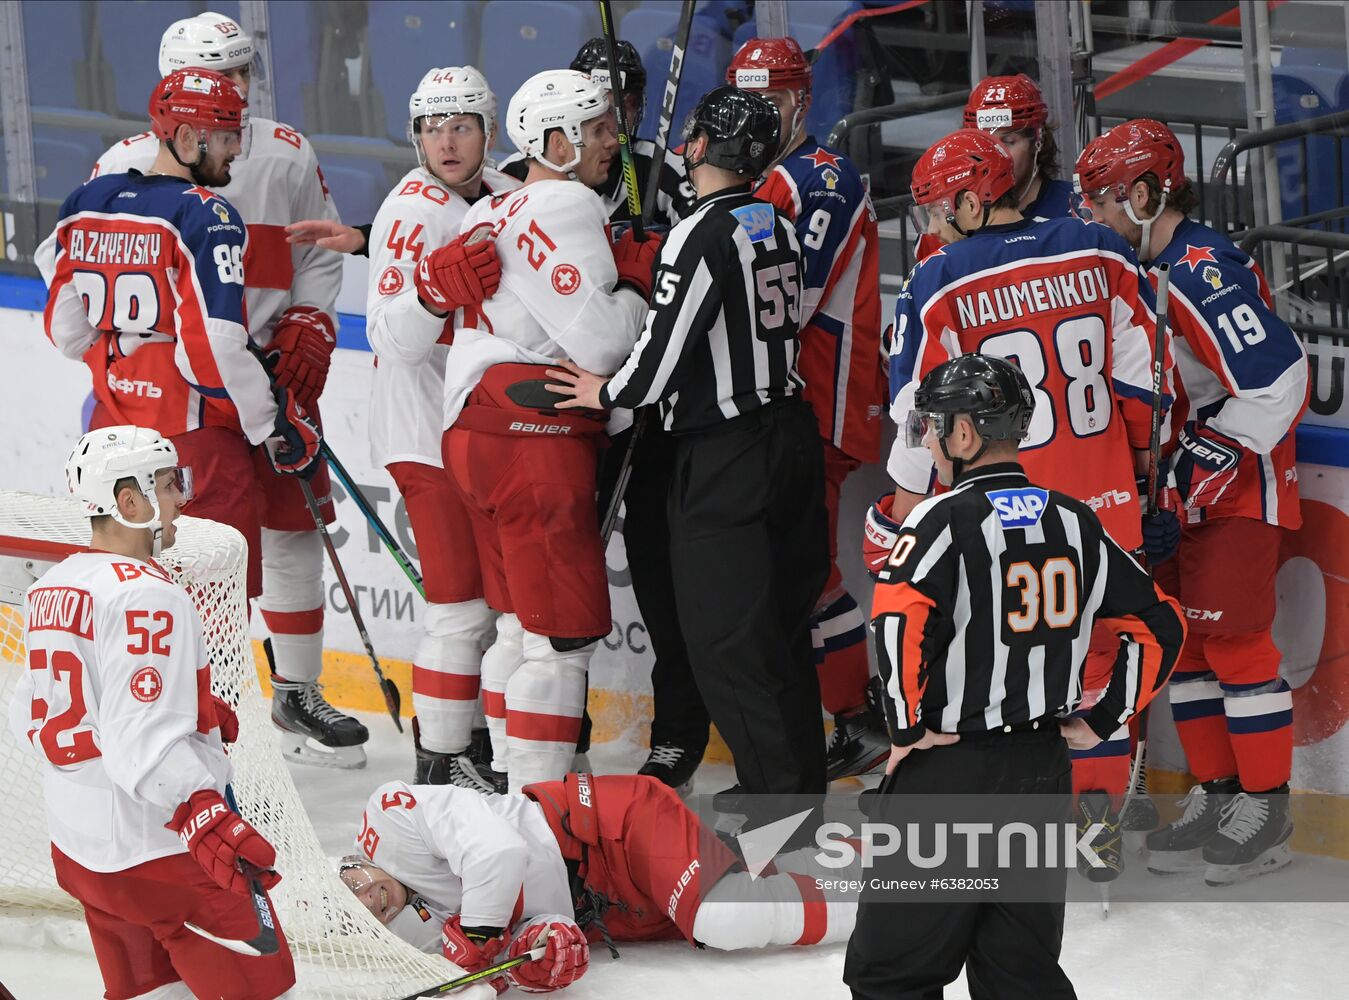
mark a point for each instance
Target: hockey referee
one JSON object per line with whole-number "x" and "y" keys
{"x": 983, "y": 614}
{"x": 748, "y": 530}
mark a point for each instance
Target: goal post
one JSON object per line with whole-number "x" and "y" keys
{"x": 341, "y": 951}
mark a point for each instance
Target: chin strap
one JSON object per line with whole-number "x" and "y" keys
{"x": 1145, "y": 241}
{"x": 154, "y": 525}
{"x": 951, "y": 221}
{"x": 958, "y": 464}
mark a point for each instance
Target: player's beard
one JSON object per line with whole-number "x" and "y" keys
{"x": 204, "y": 175}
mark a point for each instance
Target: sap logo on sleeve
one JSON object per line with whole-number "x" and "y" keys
{"x": 755, "y": 220}
{"x": 1020, "y": 508}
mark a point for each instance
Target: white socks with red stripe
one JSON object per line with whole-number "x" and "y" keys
{"x": 785, "y": 909}
{"x": 446, "y": 672}
{"x": 545, "y": 699}
{"x": 292, "y": 601}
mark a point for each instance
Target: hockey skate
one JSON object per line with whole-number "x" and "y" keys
{"x": 1094, "y": 806}
{"x": 673, "y": 765}
{"x": 1140, "y": 816}
{"x": 458, "y": 769}
{"x": 1252, "y": 839}
{"x": 1178, "y": 847}
{"x": 859, "y": 743}
{"x": 311, "y": 730}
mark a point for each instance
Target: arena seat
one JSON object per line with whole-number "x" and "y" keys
{"x": 357, "y": 184}
{"x": 406, "y": 40}
{"x": 524, "y": 37}
{"x": 129, "y": 33}
{"x": 1308, "y": 184}
{"x": 294, "y": 45}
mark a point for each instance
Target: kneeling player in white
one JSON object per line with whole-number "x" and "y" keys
{"x": 291, "y": 296}
{"x": 416, "y": 283}
{"x": 615, "y": 857}
{"x": 116, "y": 704}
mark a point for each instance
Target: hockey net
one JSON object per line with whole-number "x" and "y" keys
{"x": 341, "y": 951}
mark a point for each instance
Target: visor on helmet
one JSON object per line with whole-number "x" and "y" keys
{"x": 920, "y": 427}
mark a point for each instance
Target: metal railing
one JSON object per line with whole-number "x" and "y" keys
{"x": 890, "y": 112}
{"x": 1336, "y": 125}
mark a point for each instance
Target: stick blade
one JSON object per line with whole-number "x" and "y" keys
{"x": 393, "y": 701}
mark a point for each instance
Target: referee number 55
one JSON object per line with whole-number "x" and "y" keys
{"x": 778, "y": 287}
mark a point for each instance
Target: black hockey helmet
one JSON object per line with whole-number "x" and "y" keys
{"x": 594, "y": 55}
{"x": 992, "y": 391}
{"x": 743, "y": 131}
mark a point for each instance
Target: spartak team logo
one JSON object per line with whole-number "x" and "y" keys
{"x": 391, "y": 281}
{"x": 146, "y": 684}
{"x": 566, "y": 279}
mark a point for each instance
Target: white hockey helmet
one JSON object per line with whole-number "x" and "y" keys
{"x": 452, "y": 90}
{"x": 555, "y": 98}
{"x": 105, "y": 457}
{"x": 207, "y": 41}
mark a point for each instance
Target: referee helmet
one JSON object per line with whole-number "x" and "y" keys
{"x": 742, "y": 129}
{"x": 992, "y": 391}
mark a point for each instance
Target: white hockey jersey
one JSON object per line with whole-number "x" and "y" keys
{"x": 116, "y": 705}
{"x": 557, "y": 297}
{"x": 410, "y": 344}
{"x": 490, "y": 858}
{"x": 280, "y": 182}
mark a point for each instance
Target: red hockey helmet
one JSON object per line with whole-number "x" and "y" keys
{"x": 1117, "y": 158}
{"x": 769, "y": 64}
{"x": 1000, "y": 102}
{"x": 198, "y": 97}
{"x": 967, "y": 160}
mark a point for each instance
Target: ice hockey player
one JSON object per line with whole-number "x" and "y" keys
{"x": 291, "y": 295}
{"x": 1012, "y": 110}
{"x": 117, "y": 707}
{"x": 1069, "y": 303}
{"x": 527, "y": 473}
{"x": 420, "y": 273}
{"x": 146, "y": 284}
{"x": 841, "y": 361}
{"x": 613, "y": 857}
{"x": 978, "y": 673}
{"x": 1242, "y": 387}
{"x": 674, "y": 193}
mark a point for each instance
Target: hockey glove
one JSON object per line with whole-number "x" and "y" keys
{"x": 566, "y": 960}
{"x": 473, "y": 948}
{"x": 1206, "y": 465}
{"x": 301, "y": 351}
{"x": 219, "y": 839}
{"x": 879, "y": 533}
{"x": 636, "y": 262}
{"x": 226, "y": 720}
{"x": 295, "y": 449}
{"x": 458, "y": 274}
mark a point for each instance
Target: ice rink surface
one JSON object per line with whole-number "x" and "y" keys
{"x": 1209, "y": 949}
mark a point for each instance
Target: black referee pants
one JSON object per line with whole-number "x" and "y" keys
{"x": 1010, "y": 950}
{"x": 680, "y": 716}
{"x": 749, "y": 554}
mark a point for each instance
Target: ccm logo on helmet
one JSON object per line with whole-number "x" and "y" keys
{"x": 751, "y": 78}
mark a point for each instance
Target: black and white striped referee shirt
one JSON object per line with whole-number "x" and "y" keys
{"x": 984, "y": 612}
{"x": 721, "y": 336}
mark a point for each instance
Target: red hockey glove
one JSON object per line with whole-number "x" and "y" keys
{"x": 473, "y": 948}
{"x": 303, "y": 344}
{"x": 295, "y": 449}
{"x": 225, "y": 719}
{"x": 219, "y": 838}
{"x": 636, "y": 262}
{"x": 1206, "y": 466}
{"x": 459, "y": 274}
{"x": 879, "y": 533}
{"x": 566, "y": 960}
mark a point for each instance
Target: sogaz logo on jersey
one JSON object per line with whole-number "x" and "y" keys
{"x": 1019, "y": 508}
{"x": 755, "y": 220}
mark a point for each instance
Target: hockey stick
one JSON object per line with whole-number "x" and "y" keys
{"x": 624, "y": 137}
{"x": 362, "y": 504}
{"x": 265, "y": 942}
{"x": 1158, "y": 379}
{"x": 392, "y": 699}
{"x": 667, "y": 109}
{"x": 533, "y": 955}
{"x": 653, "y": 180}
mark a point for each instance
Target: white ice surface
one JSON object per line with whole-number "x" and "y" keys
{"x": 1195, "y": 951}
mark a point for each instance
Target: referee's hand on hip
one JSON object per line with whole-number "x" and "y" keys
{"x": 930, "y": 739}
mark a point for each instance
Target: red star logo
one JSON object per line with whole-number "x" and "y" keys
{"x": 205, "y": 194}
{"x": 822, "y": 158}
{"x": 1194, "y": 256}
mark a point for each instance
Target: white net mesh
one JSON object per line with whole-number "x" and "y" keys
{"x": 341, "y": 951}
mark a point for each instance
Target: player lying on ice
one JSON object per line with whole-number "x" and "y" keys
{"x": 615, "y": 857}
